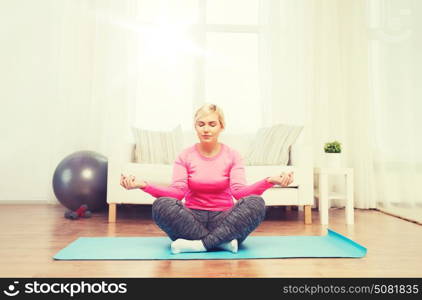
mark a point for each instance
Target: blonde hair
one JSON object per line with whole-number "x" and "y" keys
{"x": 209, "y": 108}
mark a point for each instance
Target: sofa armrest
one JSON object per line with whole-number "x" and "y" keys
{"x": 306, "y": 189}
{"x": 301, "y": 157}
{"x": 159, "y": 174}
{"x": 122, "y": 153}
{"x": 301, "y": 153}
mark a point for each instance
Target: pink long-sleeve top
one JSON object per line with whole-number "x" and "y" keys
{"x": 208, "y": 183}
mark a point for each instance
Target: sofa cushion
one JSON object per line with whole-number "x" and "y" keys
{"x": 271, "y": 145}
{"x": 158, "y": 147}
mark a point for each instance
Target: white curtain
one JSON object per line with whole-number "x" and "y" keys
{"x": 342, "y": 105}
{"x": 355, "y": 67}
{"x": 151, "y": 63}
{"x": 396, "y": 64}
{"x": 136, "y": 62}
{"x": 96, "y": 77}
{"x": 319, "y": 77}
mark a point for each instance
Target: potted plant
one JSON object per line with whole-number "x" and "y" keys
{"x": 333, "y": 154}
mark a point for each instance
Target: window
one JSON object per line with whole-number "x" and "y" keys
{"x": 231, "y": 78}
{"x": 232, "y": 12}
{"x": 198, "y": 51}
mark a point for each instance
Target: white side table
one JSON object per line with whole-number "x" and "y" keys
{"x": 324, "y": 194}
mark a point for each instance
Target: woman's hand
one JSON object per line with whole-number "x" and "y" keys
{"x": 130, "y": 182}
{"x": 284, "y": 179}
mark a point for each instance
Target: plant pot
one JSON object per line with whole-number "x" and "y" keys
{"x": 333, "y": 160}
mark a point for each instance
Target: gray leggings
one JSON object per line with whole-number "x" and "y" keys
{"x": 212, "y": 227}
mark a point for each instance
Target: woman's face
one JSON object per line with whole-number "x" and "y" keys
{"x": 208, "y": 128}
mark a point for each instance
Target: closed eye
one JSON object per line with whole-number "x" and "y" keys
{"x": 213, "y": 124}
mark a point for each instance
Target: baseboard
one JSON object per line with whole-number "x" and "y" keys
{"x": 19, "y": 202}
{"x": 410, "y": 216}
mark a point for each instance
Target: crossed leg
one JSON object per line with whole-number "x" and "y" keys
{"x": 223, "y": 230}
{"x": 177, "y": 220}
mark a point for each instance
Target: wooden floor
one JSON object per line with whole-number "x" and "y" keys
{"x": 31, "y": 234}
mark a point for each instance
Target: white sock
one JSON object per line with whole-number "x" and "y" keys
{"x": 182, "y": 245}
{"x": 229, "y": 246}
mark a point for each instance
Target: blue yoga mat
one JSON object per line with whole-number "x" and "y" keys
{"x": 158, "y": 248}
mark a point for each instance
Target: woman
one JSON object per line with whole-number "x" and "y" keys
{"x": 208, "y": 175}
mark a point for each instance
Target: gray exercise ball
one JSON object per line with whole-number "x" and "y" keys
{"x": 81, "y": 178}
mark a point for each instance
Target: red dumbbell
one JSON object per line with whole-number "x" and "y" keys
{"x": 80, "y": 212}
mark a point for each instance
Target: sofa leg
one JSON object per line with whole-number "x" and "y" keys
{"x": 308, "y": 214}
{"x": 112, "y": 212}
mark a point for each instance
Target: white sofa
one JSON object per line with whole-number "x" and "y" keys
{"x": 299, "y": 193}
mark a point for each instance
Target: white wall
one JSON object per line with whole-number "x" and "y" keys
{"x": 29, "y": 86}
{"x": 42, "y": 120}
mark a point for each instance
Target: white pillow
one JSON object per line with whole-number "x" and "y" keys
{"x": 271, "y": 145}
{"x": 157, "y": 147}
